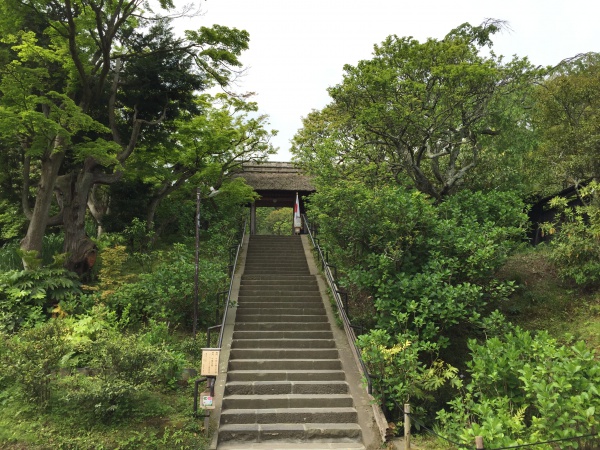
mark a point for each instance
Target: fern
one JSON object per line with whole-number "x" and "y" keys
{"x": 27, "y": 296}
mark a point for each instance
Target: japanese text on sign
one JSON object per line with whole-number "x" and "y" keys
{"x": 210, "y": 362}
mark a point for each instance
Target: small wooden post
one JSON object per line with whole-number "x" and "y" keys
{"x": 406, "y": 426}
{"x": 253, "y": 218}
{"x": 479, "y": 442}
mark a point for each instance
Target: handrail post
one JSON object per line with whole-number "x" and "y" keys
{"x": 208, "y": 331}
{"x": 406, "y": 426}
{"x": 479, "y": 443}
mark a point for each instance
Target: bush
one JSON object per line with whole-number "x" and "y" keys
{"x": 525, "y": 388}
{"x": 31, "y": 360}
{"x": 132, "y": 359}
{"x": 88, "y": 400}
{"x": 27, "y": 295}
{"x": 575, "y": 248}
{"x": 428, "y": 267}
{"x": 167, "y": 293}
{"x": 9, "y": 257}
{"x": 399, "y": 371}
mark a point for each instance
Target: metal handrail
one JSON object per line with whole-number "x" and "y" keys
{"x": 210, "y": 381}
{"x": 335, "y": 291}
{"x": 234, "y": 266}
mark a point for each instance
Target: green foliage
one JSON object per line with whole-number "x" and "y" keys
{"x": 10, "y": 254}
{"x": 427, "y": 267}
{"x": 165, "y": 293}
{"x": 12, "y": 222}
{"x": 418, "y": 111}
{"x": 96, "y": 399}
{"x": 27, "y": 295}
{"x": 84, "y": 369}
{"x": 128, "y": 200}
{"x": 32, "y": 358}
{"x": 566, "y": 113}
{"x": 9, "y": 257}
{"x": 525, "y": 388}
{"x": 400, "y": 374}
{"x": 277, "y": 221}
{"x": 575, "y": 247}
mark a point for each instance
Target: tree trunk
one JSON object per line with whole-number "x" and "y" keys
{"x": 45, "y": 193}
{"x": 74, "y": 189}
{"x": 98, "y": 205}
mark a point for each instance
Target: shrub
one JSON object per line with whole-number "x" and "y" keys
{"x": 88, "y": 400}
{"x": 31, "y": 359}
{"x": 27, "y": 295}
{"x": 575, "y": 248}
{"x": 525, "y": 388}
{"x": 400, "y": 374}
{"x": 167, "y": 293}
{"x": 428, "y": 267}
{"x": 9, "y": 257}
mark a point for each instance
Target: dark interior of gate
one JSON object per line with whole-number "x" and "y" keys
{"x": 277, "y": 183}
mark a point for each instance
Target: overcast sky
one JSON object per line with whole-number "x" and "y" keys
{"x": 298, "y": 49}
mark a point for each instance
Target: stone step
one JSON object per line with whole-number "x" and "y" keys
{"x": 280, "y": 256}
{"x": 276, "y": 250}
{"x": 283, "y": 343}
{"x": 276, "y": 278}
{"x": 283, "y": 283}
{"x": 286, "y": 375}
{"x": 289, "y": 415}
{"x": 291, "y": 446}
{"x": 273, "y": 282}
{"x": 282, "y": 326}
{"x": 283, "y": 318}
{"x": 279, "y": 302}
{"x": 272, "y": 289}
{"x": 283, "y": 353}
{"x": 283, "y": 334}
{"x": 293, "y": 296}
{"x": 289, "y": 433}
{"x": 275, "y": 270}
{"x": 285, "y": 387}
{"x": 274, "y": 264}
{"x": 245, "y": 311}
{"x": 287, "y": 401}
{"x": 269, "y": 243}
{"x": 272, "y": 243}
{"x": 284, "y": 364}
{"x": 290, "y": 297}
{"x": 284, "y": 262}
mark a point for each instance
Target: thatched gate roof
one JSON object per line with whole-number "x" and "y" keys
{"x": 278, "y": 176}
{"x": 276, "y": 182}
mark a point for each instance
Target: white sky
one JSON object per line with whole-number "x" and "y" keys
{"x": 298, "y": 49}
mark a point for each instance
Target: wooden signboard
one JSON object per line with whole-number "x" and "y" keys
{"x": 210, "y": 362}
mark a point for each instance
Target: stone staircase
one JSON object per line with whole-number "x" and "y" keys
{"x": 285, "y": 387}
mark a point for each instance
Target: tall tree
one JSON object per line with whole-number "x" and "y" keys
{"x": 422, "y": 110}
{"x": 82, "y": 82}
{"x": 204, "y": 148}
{"x": 568, "y": 115}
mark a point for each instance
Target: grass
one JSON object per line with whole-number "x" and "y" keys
{"x": 545, "y": 302}
{"x": 165, "y": 422}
